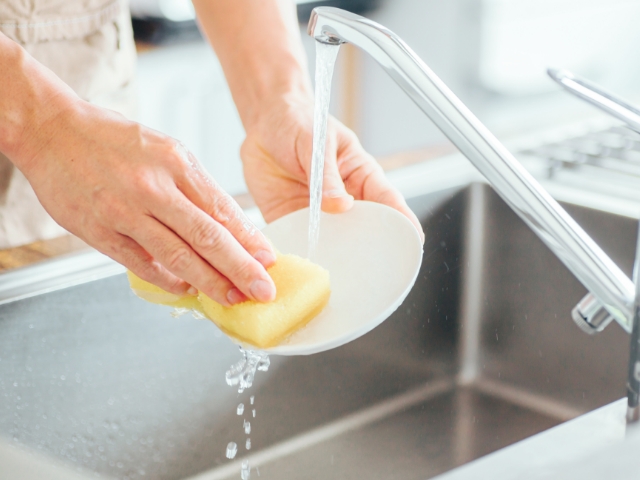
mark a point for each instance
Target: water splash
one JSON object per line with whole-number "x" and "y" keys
{"x": 178, "y": 312}
{"x": 244, "y": 372}
{"x": 326, "y": 55}
{"x": 247, "y": 444}
{"x": 240, "y": 409}
{"x": 247, "y": 427}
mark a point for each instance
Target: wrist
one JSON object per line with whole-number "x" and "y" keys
{"x": 259, "y": 47}
{"x": 277, "y": 84}
{"x": 31, "y": 98}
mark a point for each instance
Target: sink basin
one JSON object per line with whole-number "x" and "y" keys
{"x": 483, "y": 353}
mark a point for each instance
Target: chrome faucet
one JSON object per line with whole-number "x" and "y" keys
{"x": 622, "y": 110}
{"x": 612, "y": 293}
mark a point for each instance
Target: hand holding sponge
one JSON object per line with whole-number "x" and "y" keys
{"x": 302, "y": 287}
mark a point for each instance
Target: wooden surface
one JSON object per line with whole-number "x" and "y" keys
{"x": 38, "y": 251}
{"x": 45, "y": 249}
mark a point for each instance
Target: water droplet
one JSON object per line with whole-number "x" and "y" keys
{"x": 245, "y": 472}
{"x": 248, "y": 444}
{"x": 247, "y": 427}
{"x": 251, "y": 399}
{"x": 232, "y": 449}
{"x": 240, "y": 409}
{"x": 254, "y": 413}
{"x": 264, "y": 363}
{"x": 197, "y": 315}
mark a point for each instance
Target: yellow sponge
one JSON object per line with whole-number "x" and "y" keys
{"x": 303, "y": 290}
{"x": 149, "y": 292}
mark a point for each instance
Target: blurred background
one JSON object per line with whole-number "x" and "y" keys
{"x": 492, "y": 53}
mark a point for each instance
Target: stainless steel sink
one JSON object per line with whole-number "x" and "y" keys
{"x": 483, "y": 353}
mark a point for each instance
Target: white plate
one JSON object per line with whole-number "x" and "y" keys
{"x": 373, "y": 254}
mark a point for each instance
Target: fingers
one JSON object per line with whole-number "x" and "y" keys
{"x": 212, "y": 249}
{"x": 365, "y": 180}
{"x": 205, "y": 193}
{"x": 180, "y": 259}
{"x": 391, "y": 197}
{"x": 335, "y": 198}
{"x": 369, "y": 180}
{"x": 129, "y": 253}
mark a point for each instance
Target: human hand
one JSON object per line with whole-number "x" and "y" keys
{"x": 277, "y": 163}
{"x": 141, "y": 198}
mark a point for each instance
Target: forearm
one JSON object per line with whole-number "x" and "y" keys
{"x": 258, "y": 44}
{"x": 31, "y": 97}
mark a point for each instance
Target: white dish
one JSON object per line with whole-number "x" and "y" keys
{"x": 373, "y": 254}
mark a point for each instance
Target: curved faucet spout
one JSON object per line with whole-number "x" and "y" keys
{"x": 566, "y": 239}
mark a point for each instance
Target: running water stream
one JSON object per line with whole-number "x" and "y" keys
{"x": 326, "y": 55}
{"x": 242, "y": 373}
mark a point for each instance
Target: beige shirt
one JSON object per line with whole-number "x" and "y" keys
{"x": 89, "y": 45}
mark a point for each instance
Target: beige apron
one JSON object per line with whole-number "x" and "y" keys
{"x": 89, "y": 45}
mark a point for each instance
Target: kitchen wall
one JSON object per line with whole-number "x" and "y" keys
{"x": 493, "y": 54}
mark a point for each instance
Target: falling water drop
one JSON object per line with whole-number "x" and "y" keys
{"x": 245, "y": 472}
{"x": 232, "y": 449}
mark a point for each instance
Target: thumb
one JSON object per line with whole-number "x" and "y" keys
{"x": 335, "y": 198}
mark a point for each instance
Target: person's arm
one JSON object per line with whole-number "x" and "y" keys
{"x": 132, "y": 193}
{"x": 258, "y": 44}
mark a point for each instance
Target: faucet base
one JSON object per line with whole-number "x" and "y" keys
{"x": 633, "y": 414}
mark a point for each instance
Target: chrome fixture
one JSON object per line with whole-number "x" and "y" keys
{"x": 622, "y": 110}
{"x": 633, "y": 374}
{"x": 597, "y": 96}
{"x": 564, "y": 237}
{"x": 615, "y": 150}
{"x": 590, "y": 316}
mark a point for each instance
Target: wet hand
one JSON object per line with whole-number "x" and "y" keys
{"x": 277, "y": 163}
{"x": 141, "y": 198}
